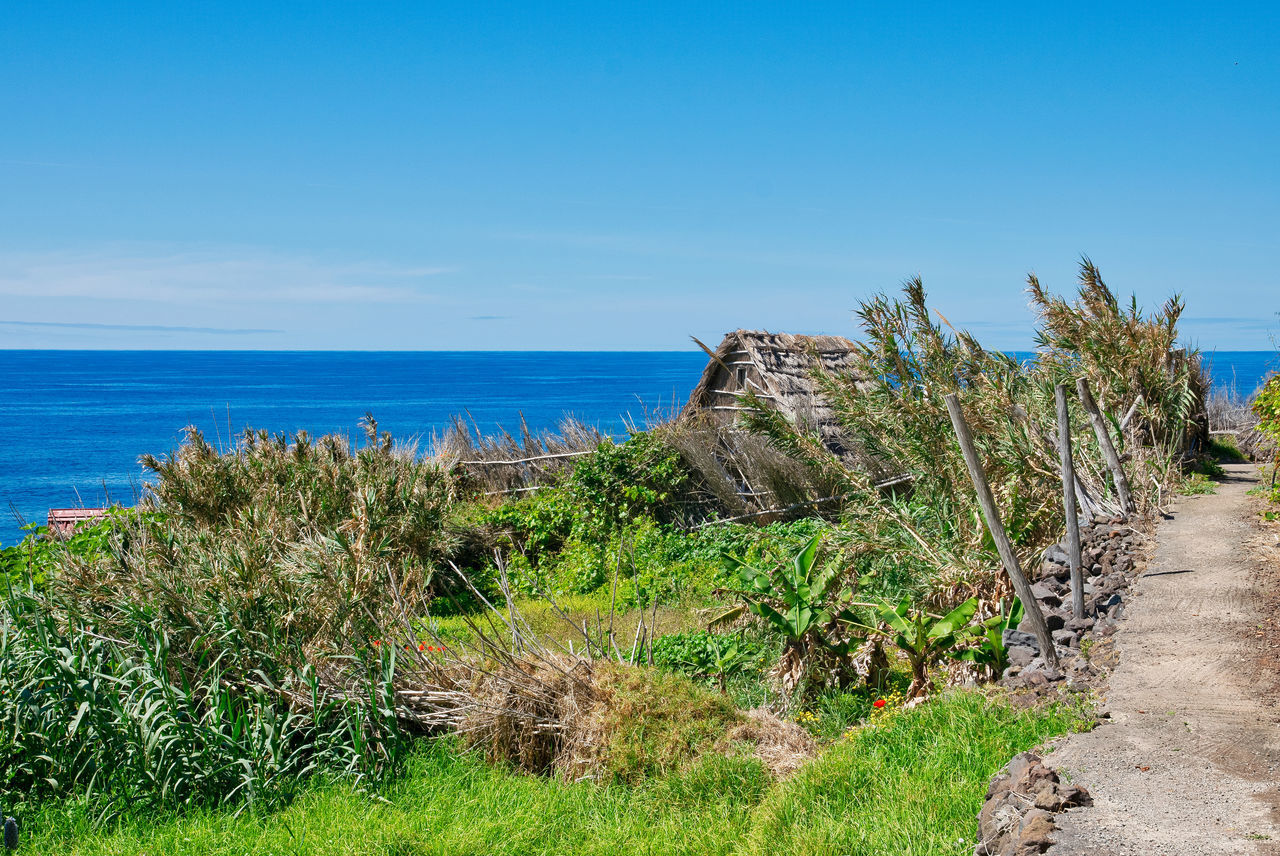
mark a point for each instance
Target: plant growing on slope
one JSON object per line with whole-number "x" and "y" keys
{"x": 891, "y": 404}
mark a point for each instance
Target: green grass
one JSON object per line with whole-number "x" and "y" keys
{"x": 1224, "y": 448}
{"x": 548, "y": 626}
{"x": 911, "y": 785}
{"x": 1197, "y": 484}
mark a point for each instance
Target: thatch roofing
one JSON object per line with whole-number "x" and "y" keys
{"x": 780, "y": 371}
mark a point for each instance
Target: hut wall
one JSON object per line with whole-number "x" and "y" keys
{"x": 729, "y": 383}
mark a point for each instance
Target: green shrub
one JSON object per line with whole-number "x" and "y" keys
{"x": 37, "y": 557}
{"x": 126, "y": 719}
{"x": 651, "y": 559}
{"x": 619, "y": 482}
{"x": 1267, "y": 408}
{"x": 714, "y": 657}
{"x": 215, "y": 647}
{"x": 602, "y": 495}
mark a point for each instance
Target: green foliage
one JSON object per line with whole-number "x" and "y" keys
{"x": 990, "y": 650}
{"x": 1127, "y": 356}
{"x": 619, "y": 482}
{"x": 1224, "y": 448}
{"x": 604, "y": 493}
{"x": 1197, "y": 484}
{"x": 807, "y": 604}
{"x": 37, "y": 557}
{"x": 704, "y": 655}
{"x": 805, "y": 595}
{"x": 923, "y": 638}
{"x": 125, "y": 720}
{"x": 538, "y": 524}
{"x": 1266, "y": 406}
{"x": 1209, "y": 467}
{"x": 214, "y": 647}
{"x": 889, "y": 399}
{"x": 891, "y": 405}
{"x": 294, "y": 489}
{"x": 652, "y": 560}
{"x": 610, "y": 514}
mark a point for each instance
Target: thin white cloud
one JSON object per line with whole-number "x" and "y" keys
{"x": 204, "y": 275}
{"x": 141, "y": 328}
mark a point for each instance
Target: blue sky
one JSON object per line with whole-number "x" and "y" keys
{"x": 599, "y": 176}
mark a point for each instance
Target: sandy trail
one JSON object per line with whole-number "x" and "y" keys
{"x": 1187, "y": 765}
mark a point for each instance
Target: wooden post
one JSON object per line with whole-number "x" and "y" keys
{"x": 1108, "y": 448}
{"x": 1020, "y": 583}
{"x": 1069, "y": 501}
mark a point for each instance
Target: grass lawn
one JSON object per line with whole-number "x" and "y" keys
{"x": 912, "y": 784}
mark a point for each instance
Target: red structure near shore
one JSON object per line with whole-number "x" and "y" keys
{"x": 63, "y": 521}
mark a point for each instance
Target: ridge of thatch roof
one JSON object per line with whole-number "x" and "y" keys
{"x": 784, "y": 364}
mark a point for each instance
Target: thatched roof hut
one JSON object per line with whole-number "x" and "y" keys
{"x": 778, "y": 368}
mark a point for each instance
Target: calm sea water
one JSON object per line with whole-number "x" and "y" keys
{"x": 72, "y": 424}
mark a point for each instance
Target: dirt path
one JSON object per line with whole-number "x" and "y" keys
{"x": 1188, "y": 763}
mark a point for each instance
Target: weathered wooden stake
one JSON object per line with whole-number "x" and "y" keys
{"x": 1069, "y": 501}
{"x": 1108, "y": 448}
{"x": 1020, "y": 583}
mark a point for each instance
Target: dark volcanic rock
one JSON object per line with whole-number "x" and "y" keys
{"x": 1020, "y": 639}
{"x": 1020, "y": 655}
{"x": 1017, "y": 817}
{"x": 1067, "y": 638}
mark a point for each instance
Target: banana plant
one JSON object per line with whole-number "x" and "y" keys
{"x": 804, "y": 602}
{"x": 922, "y": 637}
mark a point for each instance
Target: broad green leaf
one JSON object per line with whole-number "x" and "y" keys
{"x": 955, "y": 620}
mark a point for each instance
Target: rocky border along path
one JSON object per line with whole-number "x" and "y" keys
{"x": 1188, "y": 764}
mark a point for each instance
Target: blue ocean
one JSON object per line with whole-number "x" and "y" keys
{"x": 73, "y": 423}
